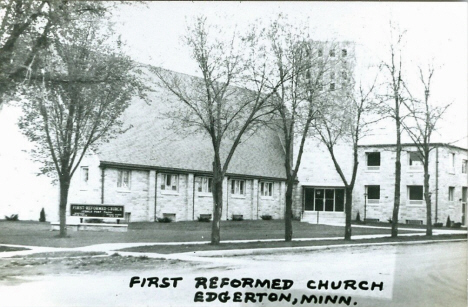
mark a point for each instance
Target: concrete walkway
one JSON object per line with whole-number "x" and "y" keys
{"x": 111, "y": 248}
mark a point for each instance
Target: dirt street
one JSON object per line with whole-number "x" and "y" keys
{"x": 403, "y": 275}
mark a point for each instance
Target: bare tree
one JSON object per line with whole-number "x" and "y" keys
{"x": 26, "y": 27}
{"x": 420, "y": 125}
{"x": 227, "y": 103}
{"x": 346, "y": 118}
{"x": 85, "y": 84}
{"x": 299, "y": 66}
{"x": 391, "y": 106}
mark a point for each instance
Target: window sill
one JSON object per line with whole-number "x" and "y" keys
{"x": 373, "y": 202}
{"x": 237, "y": 196}
{"x": 266, "y": 197}
{"x": 373, "y": 169}
{"x": 415, "y": 203}
{"x": 416, "y": 170}
{"x": 123, "y": 191}
{"x": 204, "y": 194}
{"x": 164, "y": 192}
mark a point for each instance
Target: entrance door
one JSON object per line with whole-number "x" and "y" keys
{"x": 308, "y": 199}
{"x": 319, "y": 199}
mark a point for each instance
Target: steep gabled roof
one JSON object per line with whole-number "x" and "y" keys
{"x": 150, "y": 142}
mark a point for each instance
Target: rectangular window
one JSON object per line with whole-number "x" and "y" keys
{"x": 373, "y": 194}
{"x": 415, "y": 194}
{"x": 464, "y": 166}
{"x": 205, "y": 184}
{"x": 464, "y": 194}
{"x": 170, "y": 182}
{"x": 237, "y": 187}
{"x": 332, "y": 52}
{"x": 451, "y": 193}
{"x": 344, "y": 75}
{"x": 332, "y": 86}
{"x": 84, "y": 176}
{"x": 452, "y": 163}
{"x": 266, "y": 188}
{"x": 332, "y": 75}
{"x": 320, "y": 52}
{"x": 123, "y": 179}
{"x": 373, "y": 161}
{"x": 344, "y": 52}
{"x": 414, "y": 160}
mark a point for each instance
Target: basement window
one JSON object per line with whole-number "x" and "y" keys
{"x": 464, "y": 166}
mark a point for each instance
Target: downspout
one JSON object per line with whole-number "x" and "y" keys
{"x": 437, "y": 184}
{"x": 155, "y": 195}
{"x": 227, "y": 198}
{"x": 102, "y": 185}
{"x": 193, "y": 199}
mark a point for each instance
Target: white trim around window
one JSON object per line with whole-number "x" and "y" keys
{"x": 205, "y": 186}
{"x": 124, "y": 179}
{"x": 238, "y": 188}
{"x": 84, "y": 177}
{"x": 266, "y": 189}
{"x": 169, "y": 184}
{"x": 415, "y": 195}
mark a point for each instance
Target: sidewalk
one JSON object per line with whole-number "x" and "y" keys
{"x": 111, "y": 248}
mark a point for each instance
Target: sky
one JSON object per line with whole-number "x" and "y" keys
{"x": 436, "y": 32}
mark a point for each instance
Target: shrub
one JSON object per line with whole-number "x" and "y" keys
{"x": 266, "y": 217}
{"x": 358, "y": 217}
{"x": 13, "y": 217}
{"x": 237, "y": 217}
{"x": 42, "y": 217}
{"x": 449, "y": 222}
{"x": 164, "y": 219}
{"x": 390, "y": 220}
{"x": 296, "y": 218}
{"x": 438, "y": 224}
{"x": 204, "y": 218}
{"x": 456, "y": 225}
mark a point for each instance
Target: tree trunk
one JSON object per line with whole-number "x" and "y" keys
{"x": 396, "y": 198}
{"x": 427, "y": 197}
{"x": 217, "y": 204}
{"x": 348, "y": 207}
{"x": 64, "y": 188}
{"x": 288, "y": 230}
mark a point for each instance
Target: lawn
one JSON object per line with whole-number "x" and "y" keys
{"x": 39, "y": 234}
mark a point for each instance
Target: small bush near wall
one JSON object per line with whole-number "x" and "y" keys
{"x": 296, "y": 217}
{"x": 164, "y": 219}
{"x": 266, "y": 217}
{"x": 449, "y": 222}
{"x": 13, "y": 217}
{"x": 456, "y": 225}
{"x": 42, "y": 217}
{"x": 438, "y": 224}
{"x": 237, "y": 217}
